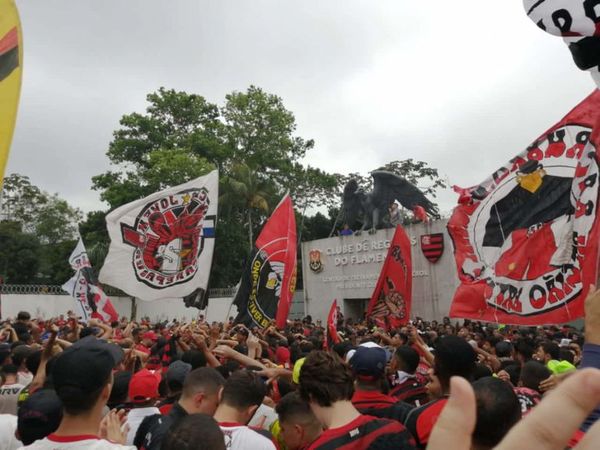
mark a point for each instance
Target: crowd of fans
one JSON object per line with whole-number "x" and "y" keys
{"x": 199, "y": 385}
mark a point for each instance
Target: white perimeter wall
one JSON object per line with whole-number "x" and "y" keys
{"x": 47, "y": 306}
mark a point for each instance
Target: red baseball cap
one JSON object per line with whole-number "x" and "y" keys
{"x": 282, "y": 355}
{"x": 144, "y": 386}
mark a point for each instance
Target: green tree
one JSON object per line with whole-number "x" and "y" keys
{"x": 245, "y": 190}
{"x": 251, "y": 139}
{"x": 47, "y": 216}
{"x": 19, "y": 254}
{"x": 20, "y": 200}
{"x": 169, "y": 145}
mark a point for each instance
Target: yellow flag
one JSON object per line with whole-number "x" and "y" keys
{"x": 11, "y": 68}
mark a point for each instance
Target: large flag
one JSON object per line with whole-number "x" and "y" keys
{"x": 90, "y": 299}
{"x": 578, "y": 22}
{"x": 526, "y": 239}
{"x": 11, "y": 61}
{"x": 269, "y": 279}
{"x": 390, "y": 303}
{"x": 331, "y": 335}
{"x": 162, "y": 245}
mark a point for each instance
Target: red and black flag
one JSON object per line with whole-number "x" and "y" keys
{"x": 11, "y": 62}
{"x": 269, "y": 280}
{"x": 9, "y": 53}
{"x": 526, "y": 239}
{"x": 390, "y": 303}
{"x": 331, "y": 335}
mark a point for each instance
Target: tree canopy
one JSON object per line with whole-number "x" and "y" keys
{"x": 37, "y": 233}
{"x": 251, "y": 138}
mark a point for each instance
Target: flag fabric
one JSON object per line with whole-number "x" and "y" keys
{"x": 90, "y": 299}
{"x": 11, "y": 60}
{"x": 162, "y": 245}
{"x": 331, "y": 335}
{"x": 578, "y": 22}
{"x": 526, "y": 239}
{"x": 269, "y": 279}
{"x": 390, "y": 303}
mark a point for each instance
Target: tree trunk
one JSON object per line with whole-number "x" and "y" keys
{"x": 250, "y": 236}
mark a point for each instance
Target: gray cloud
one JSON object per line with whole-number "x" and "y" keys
{"x": 463, "y": 85}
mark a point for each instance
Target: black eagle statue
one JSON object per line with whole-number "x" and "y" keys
{"x": 388, "y": 187}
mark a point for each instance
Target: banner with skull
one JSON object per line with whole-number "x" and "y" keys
{"x": 162, "y": 245}
{"x": 526, "y": 239}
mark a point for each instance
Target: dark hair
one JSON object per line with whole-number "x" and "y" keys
{"x": 325, "y": 379}
{"x": 243, "y": 389}
{"x": 498, "y": 409}
{"x": 291, "y": 408}
{"x": 196, "y": 431}
{"x": 503, "y": 349}
{"x": 87, "y": 331}
{"x": 513, "y": 369}
{"x": 453, "y": 357}
{"x": 118, "y": 394}
{"x": 551, "y": 348}
{"x": 204, "y": 379}
{"x": 408, "y": 358}
{"x": 481, "y": 371}
{"x": 10, "y": 369}
{"x": 23, "y": 315}
{"x": 33, "y": 361}
{"x": 566, "y": 355}
{"x": 526, "y": 348}
{"x": 195, "y": 358}
{"x": 533, "y": 373}
{"x": 77, "y": 401}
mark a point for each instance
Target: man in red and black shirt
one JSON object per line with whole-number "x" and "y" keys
{"x": 368, "y": 366}
{"x": 406, "y": 386}
{"x": 326, "y": 384}
{"x": 453, "y": 357}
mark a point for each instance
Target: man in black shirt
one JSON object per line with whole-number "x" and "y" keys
{"x": 201, "y": 395}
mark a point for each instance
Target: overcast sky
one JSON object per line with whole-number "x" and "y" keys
{"x": 463, "y": 85}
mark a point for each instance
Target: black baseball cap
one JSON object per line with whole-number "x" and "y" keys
{"x": 39, "y": 416}
{"x": 86, "y": 365}
{"x": 369, "y": 361}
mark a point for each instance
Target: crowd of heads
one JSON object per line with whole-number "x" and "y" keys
{"x": 195, "y": 384}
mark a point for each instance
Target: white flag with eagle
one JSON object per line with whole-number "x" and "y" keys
{"x": 162, "y": 245}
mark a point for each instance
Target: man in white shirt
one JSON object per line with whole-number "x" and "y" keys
{"x": 143, "y": 393}
{"x": 9, "y": 391}
{"x": 8, "y": 427}
{"x": 243, "y": 393}
{"x": 82, "y": 377}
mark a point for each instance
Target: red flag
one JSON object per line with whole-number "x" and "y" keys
{"x": 390, "y": 303}
{"x": 526, "y": 239}
{"x": 269, "y": 281}
{"x": 331, "y": 336}
{"x": 104, "y": 308}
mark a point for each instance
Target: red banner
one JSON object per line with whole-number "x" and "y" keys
{"x": 526, "y": 239}
{"x": 391, "y": 300}
{"x": 331, "y": 336}
{"x": 269, "y": 281}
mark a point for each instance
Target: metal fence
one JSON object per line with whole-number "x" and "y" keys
{"x": 53, "y": 289}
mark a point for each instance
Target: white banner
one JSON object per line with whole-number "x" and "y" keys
{"x": 90, "y": 299}
{"x": 162, "y": 245}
